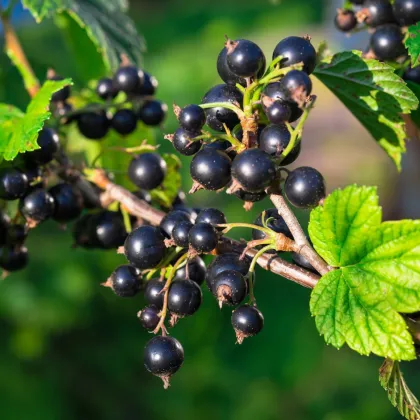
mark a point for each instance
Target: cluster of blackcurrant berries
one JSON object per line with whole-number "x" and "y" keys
{"x": 96, "y": 119}
{"x": 386, "y": 20}
{"x": 248, "y": 158}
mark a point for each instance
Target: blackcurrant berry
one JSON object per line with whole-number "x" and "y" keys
{"x": 230, "y": 287}
{"x": 213, "y": 216}
{"x": 407, "y": 12}
{"x": 49, "y": 144}
{"x": 68, "y": 202}
{"x": 250, "y": 197}
{"x": 298, "y": 84}
{"x": 194, "y": 270}
{"x": 244, "y": 58}
{"x": 273, "y": 221}
{"x": 125, "y": 281}
{"x": 295, "y": 50}
{"x": 13, "y": 259}
{"x": 225, "y": 72}
{"x": 105, "y": 89}
{"x": 4, "y": 227}
{"x": 163, "y": 356}
{"x": 184, "y": 297}
{"x": 345, "y": 20}
{"x": 172, "y": 219}
{"x": 247, "y": 321}
{"x": 184, "y": 143}
{"x": 378, "y": 12}
{"x": 61, "y": 95}
{"x": 153, "y": 292}
{"x": 16, "y": 235}
{"x": 143, "y": 195}
{"x": 128, "y": 79}
{"x": 192, "y": 118}
{"x": 254, "y": 170}
{"x": 149, "y": 317}
{"x": 203, "y": 237}
{"x": 147, "y": 171}
{"x": 211, "y": 169}
{"x": 301, "y": 261}
{"x": 216, "y": 117}
{"x": 13, "y": 184}
{"x": 274, "y": 139}
{"x": 149, "y": 86}
{"x": 153, "y": 113}
{"x": 93, "y": 125}
{"x": 144, "y": 247}
{"x": 124, "y": 121}
{"x": 221, "y": 145}
{"x": 32, "y": 171}
{"x": 304, "y": 187}
{"x": 107, "y": 230}
{"x": 412, "y": 75}
{"x": 82, "y": 232}
{"x": 90, "y": 193}
{"x": 180, "y": 234}
{"x": 279, "y": 112}
{"x": 387, "y": 42}
{"x": 37, "y": 206}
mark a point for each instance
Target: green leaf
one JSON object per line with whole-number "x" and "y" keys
{"x": 19, "y": 131}
{"x": 400, "y": 395}
{"x": 105, "y": 22}
{"x": 415, "y": 115}
{"x": 413, "y": 44}
{"x": 374, "y": 94}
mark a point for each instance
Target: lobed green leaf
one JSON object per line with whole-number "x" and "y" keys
{"x": 413, "y": 44}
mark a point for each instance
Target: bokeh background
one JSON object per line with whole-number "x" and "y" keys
{"x": 70, "y": 349}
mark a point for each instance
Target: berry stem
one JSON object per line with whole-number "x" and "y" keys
{"x": 228, "y": 227}
{"x": 164, "y": 263}
{"x": 127, "y": 221}
{"x": 258, "y": 255}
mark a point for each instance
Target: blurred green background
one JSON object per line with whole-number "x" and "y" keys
{"x": 70, "y": 349}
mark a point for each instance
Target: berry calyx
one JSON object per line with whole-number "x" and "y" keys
{"x": 93, "y": 125}
{"x": 247, "y": 321}
{"x": 184, "y": 143}
{"x": 13, "y": 184}
{"x": 212, "y": 216}
{"x": 153, "y": 292}
{"x": 387, "y": 42}
{"x": 230, "y": 287}
{"x": 149, "y": 317}
{"x": 203, "y": 237}
{"x": 147, "y": 171}
{"x": 37, "y": 206}
{"x": 153, "y": 113}
{"x": 125, "y": 281}
{"x": 124, "y": 121}
{"x": 68, "y": 202}
{"x": 184, "y": 297}
{"x": 105, "y": 89}
{"x": 128, "y": 79}
{"x": 180, "y": 233}
{"x": 192, "y": 118}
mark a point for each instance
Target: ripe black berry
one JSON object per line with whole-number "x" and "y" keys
{"x": 279, "y": 112}
{"x": 49, "y": 144}
{"x": 211, "y": 169}
{"x": 294, "y": 50}
{"x": 153, "y": 113}
{"x": 274, "y": 139}
{"x": 387, "y": 42}
{"x": 203, "y": 237}
{"x": 221, "y": 145}
{"x": 4, "y": 227}
{"x": 144, "y": 247}
{"x": 149, "y": 317}
{"x": 172, "y": 219}
{"x": 304, "y": 187}
{"x": 149, "y": 86}
{"x": 124, "y": 121}
{"x": 128, "y": 79}
{"x": 244, "y": 58}
{"x": 230, "y": 287}
{"x": 13, "y": 259}
{"x": 345, "y": 20}
{"x": 194, "y": 270}
{"x": 61, "y": 95}
{"x": 247, "y": 321}
{"x": 216, "y": 117}
{"x": 153, "y": 292}
{"x": 16, "y": 235}
{"x": 163, "y": 356}
{"x": 301, "y": 261}
{"x": 273, "y": 221}
{"x": 68, "y": 202}
{"x": 147, "y": 171}
{"x": 106, "y": 230}
{"x": 412, "y": 75}
{"x": 13, "y": 184}
{"x": 125, "y": 281}
{"x": 254, "y": 170}
{"x": 93, "y": 125}
{"x": 250, "y": 197}
{"x": 32, "y": 171}
{"x": 184, "y": 143}
{"x": 378, "y": 12}
{"x": 407, "y": 12}
{"x": 105, "y": 89}
{"x": 184, "y": 297}
{"x": 143, "y": 195}
{"x": 192, "y": 118}
{"x": 298, "y": 84}
{"x": 180, "y": 234}
{"x": 213, "y": 216}
{"x": 37, "y": 206}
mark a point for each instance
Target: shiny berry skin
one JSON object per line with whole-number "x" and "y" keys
{"x": 13, "y": 184}
{"x": 230, "y": 287}
{"x": 245, "y": 58}
{"x": 125, "y": 281}
{"x": 16, "y": 235}
{"x": 301, "y": 261}
{"x": 387, "y": 42}
{"x": 107, "y": 230}
{"x": 297, "y": 83}
{"x": 254, "y": 170}
{"x": 274, "y": 139}
{"x": 304, "y": 187}
{"x": 174, "y": 217}
{"x": 203, "y": 237}
{"x": 247, "y": 321}
{"x": 378, "y": 12}
{"x": 407, "y": 12}
{"x": 184, "y": 297}
{"x": 412, "y": 75}
{"x": 93, "y": 125}
{"x": 192, "y": 118}
{"x": 13, "y": 259}
{"x": 144, "y": 247}
{"x": 147, "y": 171}
{"x": 273, "y": 221}
{"x": 278, "y": 112}
{"x": 37, "y": 206}
{"x": 163, "y": 356}
{"x": 49, "y": 144}
{"x": 184, "y": 143}
{"x": 105, "y": 89}
{"x": 33, "y": 172}
{"x": 124, "y": 121}
{"x": 128, "y": 79}
{"x": 61, "y": 95}
{"x": 149, "y": 317}
{"x": 211, "y": 169}
{"x": 153, "y": 292}
{"x": 153, "y": 113}
{"x": 345, "y": 20}
{"x": 213, "y": 216}
{"x": 277, "y": 92}
{"x": 68, "y": 202}
{"x": 221, "y": 145}
{"x": 149, "y": 86}
{"x": 216, "y": 117}
{"x": 294, "y": 50}
{"x": 180, "y": 234}
{"x": 250, "y": 197}
{"x": 196, "y": 271}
